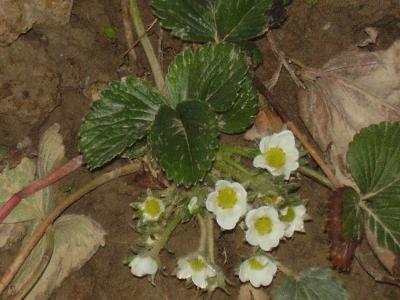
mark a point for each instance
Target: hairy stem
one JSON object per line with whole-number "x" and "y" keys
{"x": 231, "y": 172}
{"x": 41, "y": 229}
{"x": 244, "y": 152}
{"x": 235, "y": 165}
{"x": 203, "y": 235}
{"x": 148, "y": 48}
{"x": 167, "y": 232}
{"x": 316, "y": 176}
{"x": 15, "y": 199}
{"x": 210, "y": 239}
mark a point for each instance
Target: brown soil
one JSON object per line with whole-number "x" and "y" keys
{"x": 81, "y": 54}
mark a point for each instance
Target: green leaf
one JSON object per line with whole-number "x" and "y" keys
{"x": 374, "y": 160}
{"x": 122, "y": 116}
{"x": 352, "y": 222}
{"x": 137, "y": 150}
{"x": 312, "y": 284}
{"x": 185, "y": 140}
{"x": 213, "y": 20}
{"x": 210, "y": 74}
{"x": 242, "y": 114}
{"x": 253, "y": 52}
{"x": 241, "y": 20}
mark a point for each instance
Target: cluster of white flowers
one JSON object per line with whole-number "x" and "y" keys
{"x": 265, "y": 225}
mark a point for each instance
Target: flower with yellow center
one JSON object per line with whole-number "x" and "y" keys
{"x": 228, "y": 202}
{"x": 151, "y": 209}
{"x": 195, "y": 266}
{"x": 259, "y": 270}
{"x": 293, "y": 218}
{"x": 279, "y": 154}
{"x": 264, "y": 228}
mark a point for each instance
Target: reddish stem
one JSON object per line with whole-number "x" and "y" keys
{"x": 15, "y": 199}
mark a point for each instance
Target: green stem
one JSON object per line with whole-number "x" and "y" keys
{"x": 316, "y": 176}
{"x": 167, "y": 232}
{"x": 148, "y": 48}
{"x": 203, "y": 235}
{"x": 244, "y": 152}
{"x": 234, "y": 164}
{"x": 210, "y": 239}
{"x": 235, "y": 174}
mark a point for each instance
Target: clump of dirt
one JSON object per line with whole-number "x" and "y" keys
{"x": 79, "y": 54}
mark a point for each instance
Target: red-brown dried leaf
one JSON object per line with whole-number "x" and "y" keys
{"x": 341, "y": 251}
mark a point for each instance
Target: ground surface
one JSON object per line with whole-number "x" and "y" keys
{"x": 80, "y": 54}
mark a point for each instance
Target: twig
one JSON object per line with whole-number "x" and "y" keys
{"x": 373, "y": 272}
{"x": 15, "y": 199}
{"x": 308, "y": 145}
{"x": 41, "y": 229}
{"x": 134, "y": 44}
{"x": 128, "y": 31}
{"x": 282, "y": 59}
{"x": 148, "y": 48}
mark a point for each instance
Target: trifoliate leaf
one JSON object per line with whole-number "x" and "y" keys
{"x": 242, "y": 114}
{"x": 13, "y": 180}
{"x": 213, "y": 20}
{"x": 374, "y": 160}
{"x": 122, "y": 116}
{"x": 184, "y": 141}
{"x": 137, "y": 150}
{"x": 252, "y": 51}
{"x": 209, "y": 74}
{"x": 352, "y": 218}
{"x": 311, "y": 284}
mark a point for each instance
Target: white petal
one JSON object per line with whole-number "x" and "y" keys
{"x": 289, "y": 230}
{"x": 221, "y": 184}
{"x": 226, "y": 221}
{"x": 259, "y": 162}
{"x": 210, "y": 202}
{"x": 199, "y": 279}
{"x": 286, "y": 139}
{"x": 252, "y": 237}
{"x": 143, "y": 265}
{"x": 264, "y": 144}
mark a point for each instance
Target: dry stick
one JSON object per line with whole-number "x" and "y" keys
{"x": 134, "y": 44}
{"x": 374, "y": 273}
{"x": 148, "y": 48}
{"x": 310, "y": 146}
{"x": 15, "y": 199}
{"x": 282, "y": 59}
{"x": 126, "y": 20}
{"x": 41, "y": 229}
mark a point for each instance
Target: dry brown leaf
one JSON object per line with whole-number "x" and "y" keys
{"x": 248, "y": 292}
{"x": 267, "y": 122}
{"x": 352, "y": 91}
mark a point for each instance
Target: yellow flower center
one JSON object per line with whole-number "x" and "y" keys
{"x": 227, "y": 198}
{"x": 263, "y": 225}
{"x": 275, "y": 157}
{"x": 152, "y": 207}
{"x": 197, "y": 264}
{"x": 270, "y": 199}
{"x": 255, "y": 264}
{"x": 290, "y": 215}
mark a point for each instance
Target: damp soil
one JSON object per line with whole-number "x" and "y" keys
{"x": 81, "y": 55}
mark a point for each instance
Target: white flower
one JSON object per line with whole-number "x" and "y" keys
{"x": 264, "y": 228}
{"x": 293, "y": 218}
{"x": 194, "y": 266}
{"x": 151, "y": 209}
{"x": 260, "y": 270}
{"x": 193, "y": 204}
{"x": 279, "y": 154}
{"x": 143, "y": 265}
{"x": 228, "y": 202}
